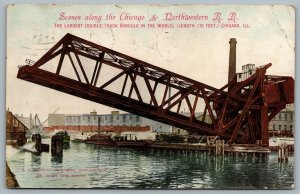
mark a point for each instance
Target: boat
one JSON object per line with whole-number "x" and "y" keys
{"x": 80, "y": 138}
{"x": 66, "y": 136}
{"x": 101, "y": 140}
{"x": 278, "y": 141}
{"x": 138, "y": 143}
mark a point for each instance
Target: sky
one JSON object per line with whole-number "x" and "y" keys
{"x": 198, "y": 53}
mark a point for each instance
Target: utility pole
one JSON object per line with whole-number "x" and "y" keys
{"x": 99, "y": 124}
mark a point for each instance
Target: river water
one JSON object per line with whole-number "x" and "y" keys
{"x": 87, "y": 166}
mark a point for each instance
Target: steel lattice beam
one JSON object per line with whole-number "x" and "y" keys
{"x": 240, "y": 115}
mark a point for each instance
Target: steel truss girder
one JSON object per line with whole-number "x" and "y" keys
{"x": 230, "y": 112}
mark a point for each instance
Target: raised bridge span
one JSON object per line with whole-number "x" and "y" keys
{"x": 238, "y": 112}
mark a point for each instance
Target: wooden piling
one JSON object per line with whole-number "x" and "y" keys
{"x": 37, "y": 139}
{"x": 57, "y": 145}
{"x": 283, "y": 153}
{"x": 223, "y": 147}
{"x": 219, "y": 148}
{"x": 286, "y": 151}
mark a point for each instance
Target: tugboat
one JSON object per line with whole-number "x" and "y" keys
{"x": 124, "y": 142}
{"x": 100, "y": 139}
{"x": 65, "y": 135}
{"x": 133, "y": 144}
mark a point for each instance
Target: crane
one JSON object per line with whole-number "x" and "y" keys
{"x": 37, "y": 126}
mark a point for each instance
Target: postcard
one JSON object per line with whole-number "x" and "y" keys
{"x": 150, "y": 96}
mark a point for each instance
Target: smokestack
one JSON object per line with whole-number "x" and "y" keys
{"x": 232, "y": 59}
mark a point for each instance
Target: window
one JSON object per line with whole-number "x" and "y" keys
{"x": 285, "y": 116}
{"x": 137, "y": 119}
{"x": 279, "y": 127}
{"x": 124, "y": 118}
{"x": 291, "y": 127}
{"x": 111, "y": 119}
{"x": 291, "y": 116}
{"x": 279, "y": 116}
{"x": 274, "y": 127}
{"x": 89, "y": 119}
{"x": 285, "y": 127}
{"x": 130, "y": 117}
{"x": 117, "y": 117}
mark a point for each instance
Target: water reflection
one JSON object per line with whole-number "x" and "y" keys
{"x": 86, "y": 166}
{"x": 56, "y": 160}
{"x": 66, "y": 146}
{"x": 35, "y": 160}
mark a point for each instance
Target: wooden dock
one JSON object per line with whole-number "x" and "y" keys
{"x": 15, "y": 130}
{"x": 217, "y": 148}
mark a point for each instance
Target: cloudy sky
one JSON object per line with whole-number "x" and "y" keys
{"x": 198, "y": 53}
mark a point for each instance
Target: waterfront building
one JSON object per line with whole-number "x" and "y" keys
{"x": 247, "y": 71}
{"x": 115, "y": 119}
{"x": 56, "y": 119}
{"x": 27, "y": 121}
{"x": 179, "y": 131}
{"x": 283, "y": 123}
